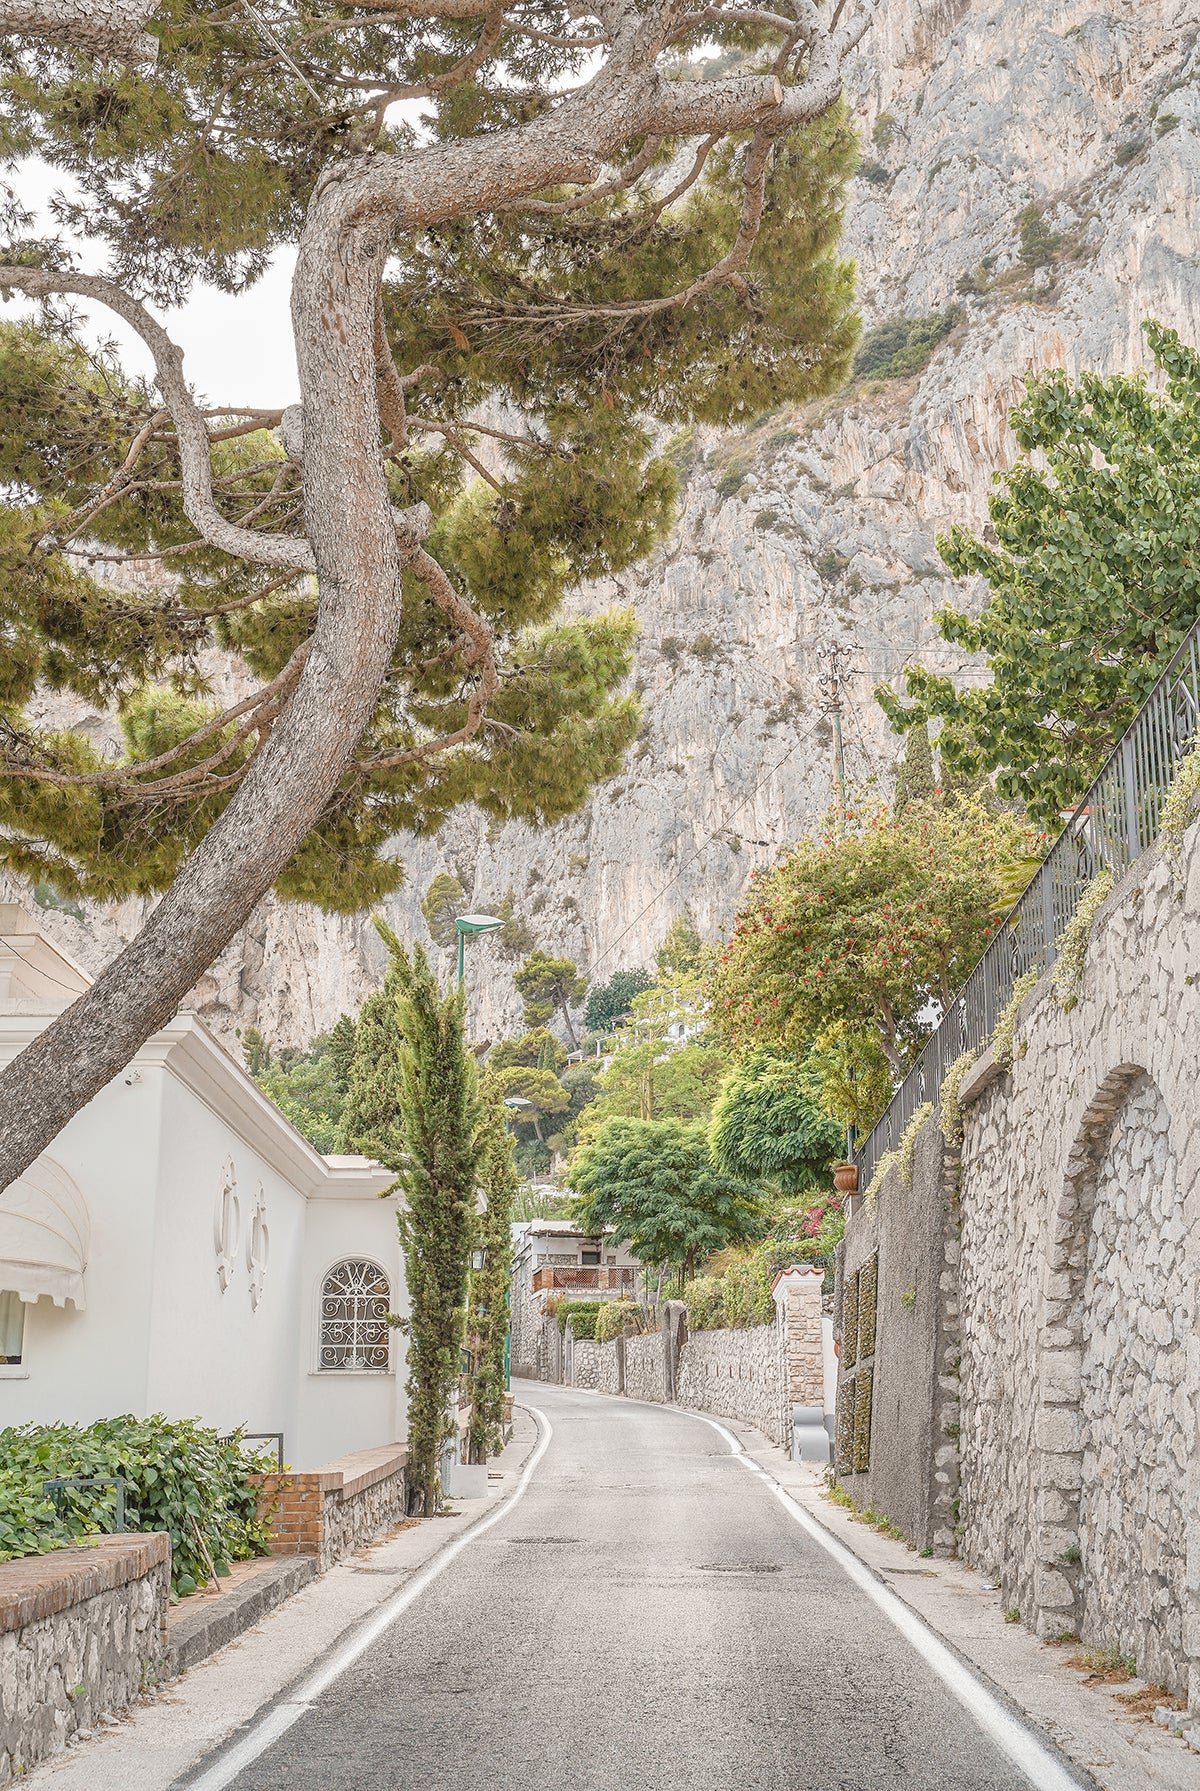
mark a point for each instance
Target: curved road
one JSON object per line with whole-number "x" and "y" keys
{"x": 647, "y": 1617}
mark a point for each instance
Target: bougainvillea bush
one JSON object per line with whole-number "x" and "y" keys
{"x": 872, "y": 925}
{"x": 179, "y": 1477}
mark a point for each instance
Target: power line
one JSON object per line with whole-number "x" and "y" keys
{"x": 58, "y": 983}
{"x": 704, "y": 844}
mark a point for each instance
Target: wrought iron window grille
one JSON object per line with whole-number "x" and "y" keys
{"x": 355, "y": 1306}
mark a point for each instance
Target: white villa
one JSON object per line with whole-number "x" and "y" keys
{"x": 182, "y": 1249}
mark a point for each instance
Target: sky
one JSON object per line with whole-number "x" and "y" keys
{"x": 237, "y": 350}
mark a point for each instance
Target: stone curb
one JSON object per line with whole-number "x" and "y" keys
{"x": 220, "y": 1619}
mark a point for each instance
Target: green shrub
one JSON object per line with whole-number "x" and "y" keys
{"x": 904, "y": 344}
{"x": 705, "y": 1298}
{"x": 179, "y": 1477}
{"x": 615, "y": 1316}
{"x": 580, "y": 1315}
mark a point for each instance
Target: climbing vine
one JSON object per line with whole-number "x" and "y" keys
{"x": 1178, "y": 806}
{"x": 948, "y": 1098}
{"x": 487, "y": 1323}
{"x": 1003, "y": 1042}
{"x": 902, "y": 1157}
{"x": 1072, "y": 947}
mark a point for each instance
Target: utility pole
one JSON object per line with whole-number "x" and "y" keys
{"x": 833, "y": 659}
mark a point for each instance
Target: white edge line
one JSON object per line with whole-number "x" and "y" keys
{"x": 303, "y": 1694}
{"x": 1039, "y": 1765}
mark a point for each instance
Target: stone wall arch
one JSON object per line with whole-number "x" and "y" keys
{"x": 1116, "y": 1422}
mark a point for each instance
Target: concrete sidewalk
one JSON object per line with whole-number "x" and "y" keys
{"x": 1120, "y": 1751}
{"x": 167, "y": 1734}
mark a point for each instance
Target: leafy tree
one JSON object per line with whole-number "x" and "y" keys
{"x": 849, "y": 1075}
{"x": 488, "y": 1317}
{"x": 308, "y": 1087}
{"x": 548, "y": 986}
{"x": 383, "y": 595}
{"x": 766, "y": 1126}
{"x": 914, "y": 776}
{"x": 681, "y": 949}
{"x": 656, "y": 1186}
{"x": 438, "y": 1121}
{"x": 583, "y": 1088}
{"x": 1094, "y": 580}
{"x": 611, "y": 1001}
{"x": 445, "y": 900}
{"x": 871, "y": 925}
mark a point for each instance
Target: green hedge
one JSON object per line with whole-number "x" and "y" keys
{"x": 178, "y": 1477}
{"x": 580, "y": 1315}
{"x": 614, "y": 1316}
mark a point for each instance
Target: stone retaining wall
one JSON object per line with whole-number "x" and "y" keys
{"x": 336, "y": 1509}
{"x": 82, "y": 1634}
{"x": 645, "y": 1368}
{"x": 1034, "y": 1382}
{"x": 735, "y": 1374}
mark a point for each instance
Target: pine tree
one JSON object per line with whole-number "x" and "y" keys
{"x": 438, "y": 1118}
{"x": 488, "y": 1321}
{"x": 548, "y": 986}
{"x": 381, "y": 570}
{"x": 680, "y": 950}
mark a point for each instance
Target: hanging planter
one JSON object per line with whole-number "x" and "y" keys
{"x": 845, "y": 1178}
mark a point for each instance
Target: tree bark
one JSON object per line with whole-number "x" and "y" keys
{"x": 105, "y": 27}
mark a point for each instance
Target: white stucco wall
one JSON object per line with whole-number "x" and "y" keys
{"x": 159, "y": 1331}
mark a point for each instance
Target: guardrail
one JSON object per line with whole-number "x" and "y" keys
{"x": 1113, "y": 825}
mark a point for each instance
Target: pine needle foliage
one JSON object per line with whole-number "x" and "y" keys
{"x": 488, "y": 1320}
{"x": 202, "y": 169}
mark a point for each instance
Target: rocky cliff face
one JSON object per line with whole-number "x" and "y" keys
{"x": 821, "y": 525}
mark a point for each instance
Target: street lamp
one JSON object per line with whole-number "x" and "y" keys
{"x": 470, "y": 924}
{"x": 514, "y": 1103}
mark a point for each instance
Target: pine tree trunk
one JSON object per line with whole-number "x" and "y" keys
{"x": 349, "y": 522}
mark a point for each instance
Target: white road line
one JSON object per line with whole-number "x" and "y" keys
{"x": 1025, "y": 1751}
{"x": 278, "y": 1719}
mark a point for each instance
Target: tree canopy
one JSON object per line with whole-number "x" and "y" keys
{"x": 1094, "y": 580}
{"x": 550, "y": 986}
{"x": 579, "y": 229}
{"x": 609, "y": 1002}
{"x": 768, "y": 1126}
{"x": 873, "y": 926}
{"x": 656, "y": 1186}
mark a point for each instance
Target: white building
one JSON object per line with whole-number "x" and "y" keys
{"x": 182, "y": 1249}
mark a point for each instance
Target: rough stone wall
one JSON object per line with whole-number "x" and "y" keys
{"x": 70, "y": 1655}
{"x": 608, "y": 1366}
{"x": 645, "y": 1368}
{"x": 585, "y": 1363}
{"x": 896, "y": 1446}
{"x": 734, "y": 1374}
{"x": 332, "y": 1511}
{"x": 1073, "y": 1296}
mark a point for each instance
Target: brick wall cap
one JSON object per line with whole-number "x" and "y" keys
{"x": 348, "y": 1475}
{"x": 37, "y": 1586}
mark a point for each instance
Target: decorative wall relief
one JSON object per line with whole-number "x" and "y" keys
{"x": 258, "y": 1247}
{"x": 227, "y": 1224}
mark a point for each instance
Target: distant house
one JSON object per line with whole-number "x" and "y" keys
{"x": 180, "y": 1248}
{"x": 553, "y": 1259}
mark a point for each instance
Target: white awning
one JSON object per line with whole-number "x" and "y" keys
{"x": 44, "y": 1235}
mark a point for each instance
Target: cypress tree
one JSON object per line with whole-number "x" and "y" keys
{"x": 371, "y": 1117}
{"x": 489, "y": 1316}
{"x": 438, "y": 1115}
{"x": 914, "y": 775}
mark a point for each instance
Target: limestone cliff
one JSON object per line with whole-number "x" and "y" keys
{"x": 822, "y": 524}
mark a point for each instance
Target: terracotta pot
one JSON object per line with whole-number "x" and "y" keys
{"x": 845, "y": 1178}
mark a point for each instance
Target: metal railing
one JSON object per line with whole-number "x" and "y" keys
{"x": 1113, "y": 825}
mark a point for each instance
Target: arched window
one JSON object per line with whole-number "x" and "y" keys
{"x": 355, "y": 1301}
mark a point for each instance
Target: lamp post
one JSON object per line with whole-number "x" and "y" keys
{"x": 469, "y": 924}
{"x": 514, "y": 1103}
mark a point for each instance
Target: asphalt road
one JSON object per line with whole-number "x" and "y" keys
{"x": 648, "y": 1617}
